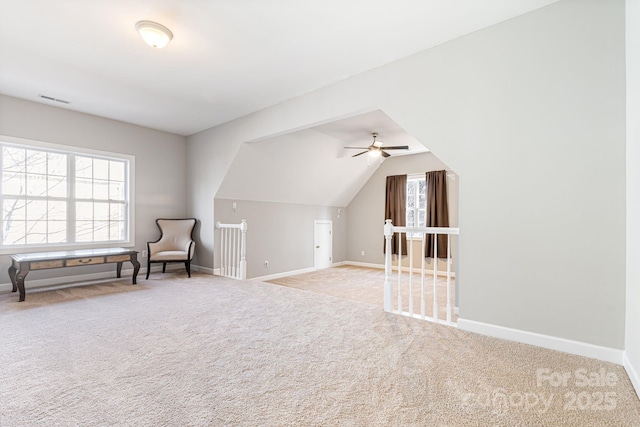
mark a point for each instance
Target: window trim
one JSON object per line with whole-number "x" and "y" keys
{"x": 70, "y": 149}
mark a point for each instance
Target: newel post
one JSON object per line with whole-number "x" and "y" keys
{"x": 243, "y": 250}
{"x": 388, "y": 234}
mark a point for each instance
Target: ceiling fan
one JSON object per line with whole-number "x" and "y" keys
{"x": 375, "y": 149}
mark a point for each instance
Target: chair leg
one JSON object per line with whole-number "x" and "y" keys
{"x": 148, "y": 267}
{"x": 164, "y": 267}
{"x": 188, "y": 267}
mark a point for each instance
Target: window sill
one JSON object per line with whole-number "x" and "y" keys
{"x": 9, "y": 250}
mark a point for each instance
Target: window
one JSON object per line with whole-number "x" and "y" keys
{"x": 54, "y": 197}
{"x": 416, "y": 201}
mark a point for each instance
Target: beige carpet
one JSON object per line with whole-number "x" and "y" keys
{"x": 208, "y": 351}
{"x": 367, "y": 285}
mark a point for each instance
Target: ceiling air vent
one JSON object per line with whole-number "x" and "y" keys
{"x": 51, "y": 98}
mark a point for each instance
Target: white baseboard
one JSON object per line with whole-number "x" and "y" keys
{"x": 285, "y": 274}
{"x": 395, "y": 268}
{"x": 85, "y": 278}
{"x": 578, "y": 348}
{"x": 207, "y": 270}
{"x": 631, "y": 372}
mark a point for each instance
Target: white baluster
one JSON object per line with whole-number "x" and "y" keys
{"x": 435, "y": 277}
{"x": 388, "y": 234}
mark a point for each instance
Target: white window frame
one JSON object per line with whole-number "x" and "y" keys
{"x": 416, "y": 209}
{"x": 129, "y": 240}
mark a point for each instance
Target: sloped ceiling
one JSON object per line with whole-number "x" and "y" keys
{"x": 311, "y": 166}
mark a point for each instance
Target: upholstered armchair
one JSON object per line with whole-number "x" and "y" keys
{"x": 174, "y": 245}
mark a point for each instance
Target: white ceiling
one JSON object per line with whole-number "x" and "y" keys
{"x": 228, "y": 58}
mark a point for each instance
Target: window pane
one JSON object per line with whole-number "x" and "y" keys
{"x": 36, "y": 232}
{"x": 84, "y": 167}
{"x": 57, "y": 211}
{"x": 116, "y": 212}
{"x": 36, "y": 209}
{"x": 101, "y": 211}
{"x": 116, "y": 230}
{"x": 14, "y": 209}
{"x": 410, "y": 217}
{"x": 84, "y": 231}
{"x": 57, "y": 186}
{"x": 36, "y": 185}
{"x": 57, "y": 231}
{"x": 101, "y": 231}
{"x": 84, "y": 211}
{"x": 116, "y": 190}
{"x": 14, "y": 183}
{"x": 13, "y": 159}
{"x": 14, "y": 233}
{"x": 84, "y": 189}
{"x": 100, "y": 169}
{"x": 36, "y": 162}
{"x": 421, "y": 218}
{"x": 116, "y": 171}
{"x": 57, "y": 164}
{"x": 101, "y": 190}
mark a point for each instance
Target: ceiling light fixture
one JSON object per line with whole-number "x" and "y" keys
{"x": 154, "y": 34}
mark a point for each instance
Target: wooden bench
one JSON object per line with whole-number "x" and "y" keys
{"x": 22, "y": 264}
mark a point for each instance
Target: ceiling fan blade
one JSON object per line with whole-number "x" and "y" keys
{"x": 397, "y": 147}
{"x": 358, "y": 148}
{"x": 384, "y": 154}
{"x": 359, "y": 154}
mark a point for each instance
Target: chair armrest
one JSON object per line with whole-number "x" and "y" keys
{"x": 152, "y": 247}
{"x": 190, "y": 248}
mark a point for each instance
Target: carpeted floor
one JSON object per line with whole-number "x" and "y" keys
{"x": 366, "y": 285}
{"x": 208, "y": 351}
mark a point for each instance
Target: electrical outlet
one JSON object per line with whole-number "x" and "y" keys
{"x": 362, "y": 253}
{"x": 266, "y": 264}
{"x": 144, "y": 254}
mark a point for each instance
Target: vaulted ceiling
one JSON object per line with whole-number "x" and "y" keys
{"x": 312, "y": 166}
{"x": 228, "y": 58}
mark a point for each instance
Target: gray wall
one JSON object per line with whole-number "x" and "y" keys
{"x": 160, "y": 163}
{"x": 366, "y": 210}
{"x": 281, "y": 233}
{"x": 531, "y": 115}
{"x": 632, "y": 343}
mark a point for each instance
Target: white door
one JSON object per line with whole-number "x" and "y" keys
{"x": 322, "y": 244}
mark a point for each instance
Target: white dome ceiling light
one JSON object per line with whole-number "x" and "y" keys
{"x": 154, "y": 34}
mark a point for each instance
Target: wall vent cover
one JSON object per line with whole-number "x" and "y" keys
{"x": 51, "y": 98}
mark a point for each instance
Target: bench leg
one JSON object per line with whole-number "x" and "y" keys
{"x": 136, "y": 268}
{"x": 12, "y": 276}
{"x": 20, "y": 283}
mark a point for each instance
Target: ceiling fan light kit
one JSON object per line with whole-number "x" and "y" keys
{"x": 375, "y": 149}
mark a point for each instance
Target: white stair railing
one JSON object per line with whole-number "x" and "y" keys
{"x": 233, "y": 254}
{"x": 411, "y": 232}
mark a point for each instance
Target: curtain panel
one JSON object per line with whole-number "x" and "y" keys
{"x": 437, "y": 212}
{"x": 396, "y": 210}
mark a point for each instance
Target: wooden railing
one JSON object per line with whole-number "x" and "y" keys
{"x": 233, "y": 253}
{"x": 414, "y": 234}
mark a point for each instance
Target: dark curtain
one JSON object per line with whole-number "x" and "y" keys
{"x": 437, "y": 212}
{"x": 396, "y": 209}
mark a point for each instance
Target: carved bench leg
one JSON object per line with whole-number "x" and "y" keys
{"x": 20, "y": 283}
{"x": 12, "y": 276}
